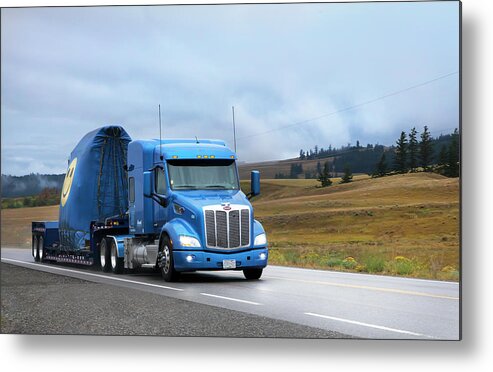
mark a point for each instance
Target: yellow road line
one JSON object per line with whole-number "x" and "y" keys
{"x": 379, "y": 289}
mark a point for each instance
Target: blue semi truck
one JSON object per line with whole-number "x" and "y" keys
{"x": 174, "y": 205}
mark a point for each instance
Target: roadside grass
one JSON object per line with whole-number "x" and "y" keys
{"x": 405, "y": 225}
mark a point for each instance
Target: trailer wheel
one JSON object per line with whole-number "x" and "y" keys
{"x": 165, "y": 261}
{"x": 252, "y": 274}
{"x": 104, "y": 255}
{"x": 116, "y": 262}
{"x": 41, "y": 251}
{"x": 35, "y": 248}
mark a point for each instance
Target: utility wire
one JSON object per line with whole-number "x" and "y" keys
{"x": 353, "y": 106}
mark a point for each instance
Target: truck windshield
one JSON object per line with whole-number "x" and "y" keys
{"x": 203, "y": 174}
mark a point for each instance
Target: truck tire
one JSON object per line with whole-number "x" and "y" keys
{"x": 41, "y": 249}
{"x": 35, "y": 248}
{"x": 104, "y": 255}
{"x": 116, "y": 262}
{"x": 252, "y": 274}
{"x": 165, "y": 261}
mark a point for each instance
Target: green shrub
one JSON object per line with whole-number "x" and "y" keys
{"x": 374, "y": 264}
{"x": 349, "y": 263}
{"x": 403, "y": 265}
{"x": 310, "y": 258}
{"x": 333, "y": 262}
{"x": 291, "y": 256}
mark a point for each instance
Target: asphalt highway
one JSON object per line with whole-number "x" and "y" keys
{"x": 358, "y": 305}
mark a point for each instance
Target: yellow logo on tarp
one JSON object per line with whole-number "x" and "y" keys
{"x": 67, "y": 184}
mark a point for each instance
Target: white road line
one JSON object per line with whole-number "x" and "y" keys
{"x": 370, "y": 325}
{"x": 231, "y": 299}
{"x": 95, "y": 275}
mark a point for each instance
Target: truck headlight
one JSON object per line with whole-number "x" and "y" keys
{"x": 260, "y": 239}
{"x": 189, "y": 241}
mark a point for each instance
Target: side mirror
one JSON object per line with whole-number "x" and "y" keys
{"x": 148, "y": 184}
{"x": 255, "y": 183}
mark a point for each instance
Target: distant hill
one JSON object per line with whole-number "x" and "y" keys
{"x": 362, "y": 160}
{"x": 29, "y": 185}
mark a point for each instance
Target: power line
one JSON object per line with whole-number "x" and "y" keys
{"x": 353, "y": 106}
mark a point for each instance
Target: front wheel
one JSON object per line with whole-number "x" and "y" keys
{"x": 165, "y": 261}
{"x": 252, "y": 274}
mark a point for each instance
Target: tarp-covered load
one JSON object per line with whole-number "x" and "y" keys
{"x": 95, "y": 185}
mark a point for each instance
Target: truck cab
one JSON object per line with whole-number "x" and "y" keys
{"x": 187, "y": 212}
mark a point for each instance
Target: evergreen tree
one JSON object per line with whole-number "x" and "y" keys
{"x": 413, "y": 150}
{"x": 443, "y": 156}
{"x": 381, "y": 166}
{"x": 324, "y": 177}
{"x": 295, "y": 170}
{"x": 319, "y": 168}
{"x": 302, "y": 154}
{"x": 425, "y": 149}
{"x": 401, "y": 153}
{"x": 453, "y": 169}
{"x": 348, "y": 176}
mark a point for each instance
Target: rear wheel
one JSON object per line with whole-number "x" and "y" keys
{"x": 252, "y": 274}
{"x": 116, "y": 262}
{"x": 35, "y": 248}
{"x": 165, "y": 261}
{"x": 104, "y": 255}
{"x": 41, "y": 251}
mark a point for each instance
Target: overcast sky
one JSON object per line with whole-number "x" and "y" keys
{"x": 297, "y": 74}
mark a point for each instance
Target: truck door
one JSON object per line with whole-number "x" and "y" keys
{"x": 160, "y": 212}
{"x": 131, "y": 204}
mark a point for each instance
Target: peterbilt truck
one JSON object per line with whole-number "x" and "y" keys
{"x": 174, "y": 205}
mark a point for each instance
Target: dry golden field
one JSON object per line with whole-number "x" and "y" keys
{"x": 398, "y": 225}
{"x": 16, "y": 224}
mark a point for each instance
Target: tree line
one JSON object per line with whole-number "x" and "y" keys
{"x": 28, "y": 185}
{"x": 412, "y": 152}
{"x": 47, "y": 196}
{"x": 411, "y": 155}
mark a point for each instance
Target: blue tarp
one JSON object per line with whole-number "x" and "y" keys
{"x": 95, "y": 185}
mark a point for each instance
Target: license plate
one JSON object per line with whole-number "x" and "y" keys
{"x": 229, "y": 264}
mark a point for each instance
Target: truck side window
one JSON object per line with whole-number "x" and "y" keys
{"x": 160, "y": 181}
{"x": 131, "y": 190}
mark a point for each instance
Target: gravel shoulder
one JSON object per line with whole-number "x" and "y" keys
{"x": 35, "y": 302}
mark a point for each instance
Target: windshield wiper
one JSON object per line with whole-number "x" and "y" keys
{"x": 216, "y": 187}
{"x": 192, "y": 187}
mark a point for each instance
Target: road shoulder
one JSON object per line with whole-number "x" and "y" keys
{"x": 35, "y": 302}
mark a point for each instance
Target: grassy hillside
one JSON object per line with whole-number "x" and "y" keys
{"x": 404, "y": 224}
{"x": 400, "y": 225}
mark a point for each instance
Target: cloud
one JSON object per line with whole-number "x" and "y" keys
{"x": 66, "y": 71}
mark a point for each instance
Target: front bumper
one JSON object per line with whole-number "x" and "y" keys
{"x": 203, "y": 260}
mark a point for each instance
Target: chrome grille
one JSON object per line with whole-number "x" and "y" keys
{"x": 227, "y": 229}
{"x": 245, "y": 227}
{"x": 210, "y": 228}
{"x": 234, "y": 229}
{"x": 221, "y": 229}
